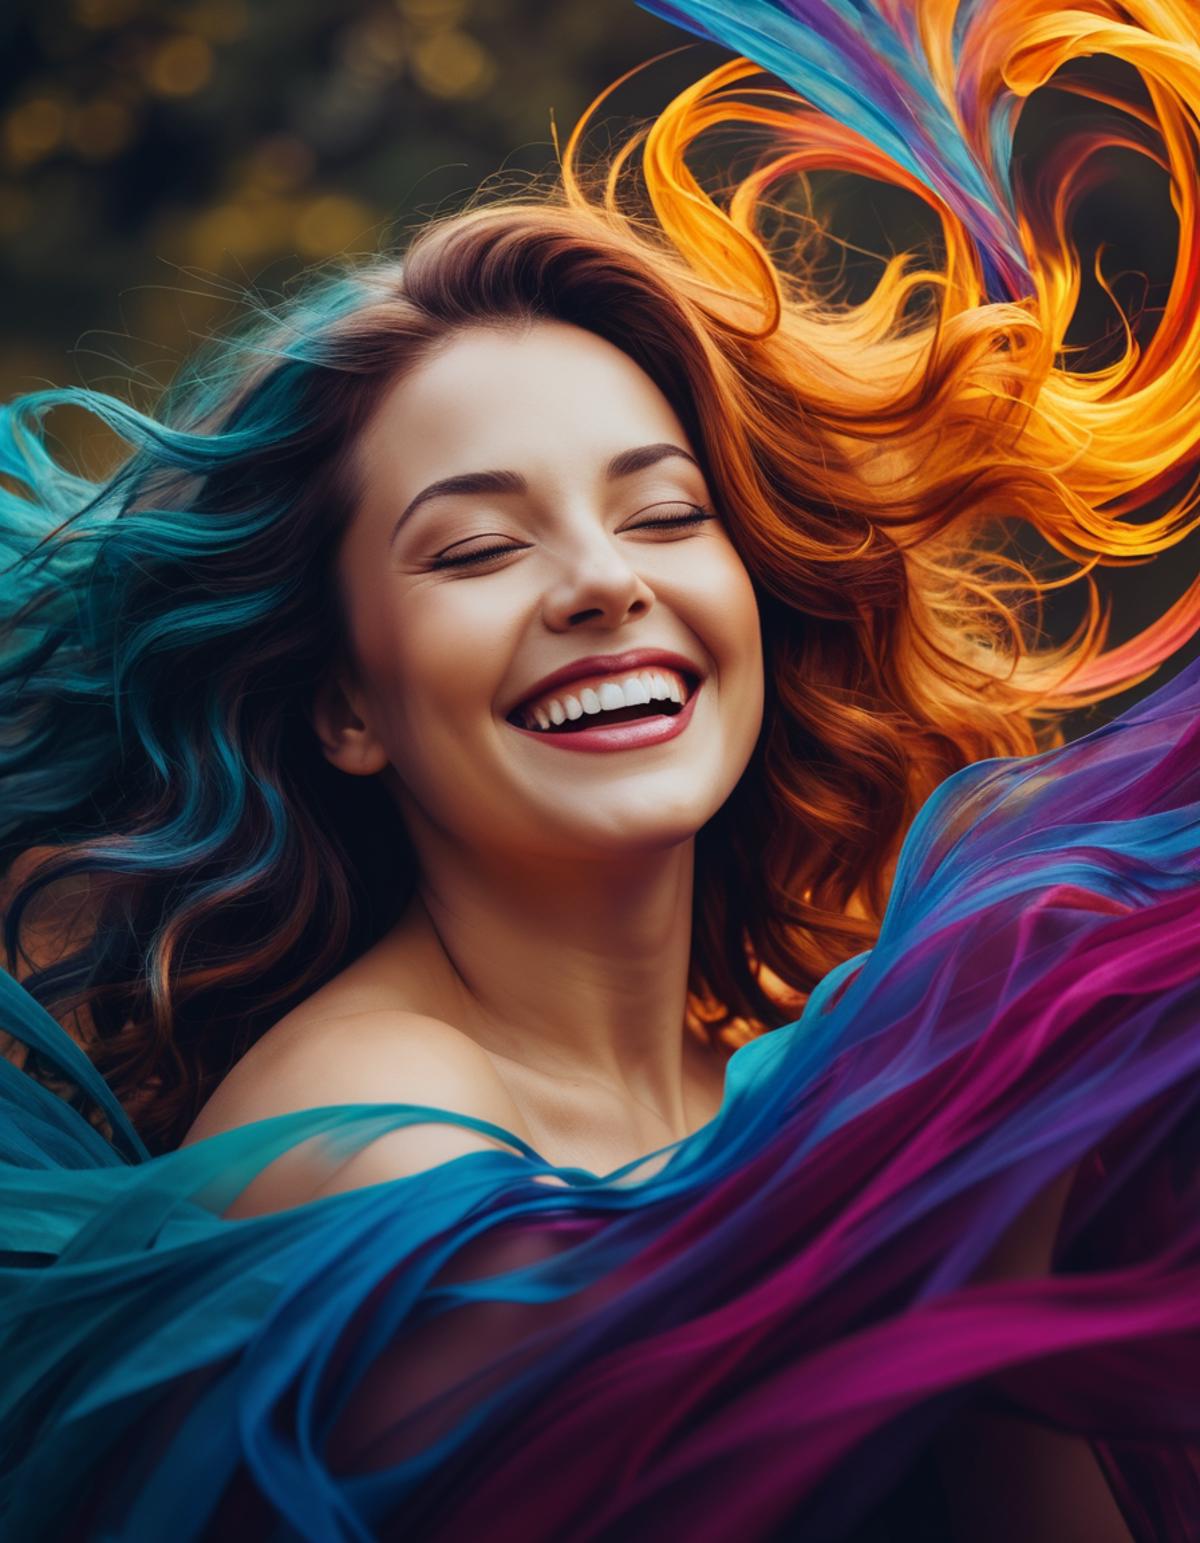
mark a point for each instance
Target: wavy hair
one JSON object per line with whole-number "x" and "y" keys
{"x": 184, "y": 866}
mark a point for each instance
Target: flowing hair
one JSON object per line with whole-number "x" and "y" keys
{"x": 184, "y": 866}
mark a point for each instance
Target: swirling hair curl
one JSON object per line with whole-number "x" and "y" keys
{"x": 184, "y": 865}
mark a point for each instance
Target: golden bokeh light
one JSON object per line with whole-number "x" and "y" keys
{"x": 328, "y": 225}
{"x": 99, "y": 15}
{"x": 220, "y": 21}
{"x": 229, "y": 229}
{"x": 25, "y": 366}
{"x": 101, "y": 128}
{"x": 432, "y": 13}
{"x": 180, "y": 66}
{"x": 375, "y": 48}
{"x": 33, "y": 129}
{"x": 279, "y": 162}
{"x": 452, "y": 64}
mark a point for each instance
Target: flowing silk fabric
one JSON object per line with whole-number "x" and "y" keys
{"x": 755, "y": 1333}
{"x": 758, "y": 1333}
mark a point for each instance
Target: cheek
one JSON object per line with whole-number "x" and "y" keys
{"x": 726, "y": 615}
{"x": 439, "y": 655}
{"x": 734, "y": 639}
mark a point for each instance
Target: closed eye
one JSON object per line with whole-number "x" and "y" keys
{"x": 689, "y": 515}
{"x": 692, "y": 514}
{"x": 479, "y": 555}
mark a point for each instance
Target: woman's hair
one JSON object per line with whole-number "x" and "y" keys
{"x": 166, "y": 814}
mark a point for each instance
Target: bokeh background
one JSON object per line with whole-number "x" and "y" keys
{"x": 161, "y": 161}
{"x": 156, "y": 158}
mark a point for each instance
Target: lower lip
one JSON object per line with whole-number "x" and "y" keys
{"x": 620, "y": 736}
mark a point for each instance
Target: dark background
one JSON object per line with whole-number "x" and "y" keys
{"x": 156, "y": 158}
{"x": 158, "y": 161}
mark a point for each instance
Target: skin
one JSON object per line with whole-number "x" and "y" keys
{"x": 539, "y": 979}
{"x": 553, "y": 925}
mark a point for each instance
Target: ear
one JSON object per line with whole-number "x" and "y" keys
{"x": 347, "y": 741}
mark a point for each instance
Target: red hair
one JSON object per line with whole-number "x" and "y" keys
{"x": 869, "y": 461}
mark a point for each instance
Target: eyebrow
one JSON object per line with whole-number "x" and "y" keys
{"x": 622, "y": 465}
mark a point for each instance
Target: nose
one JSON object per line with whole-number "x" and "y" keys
{"x": 595, "y": 583}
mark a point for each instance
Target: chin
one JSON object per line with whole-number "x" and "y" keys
{"x": 629, "y": 832}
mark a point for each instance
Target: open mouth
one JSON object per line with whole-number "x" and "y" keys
{"x": 604, "y": 702}
{"x": 606, "y": 718}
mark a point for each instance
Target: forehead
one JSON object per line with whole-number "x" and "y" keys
{"x": 515, "y": 396}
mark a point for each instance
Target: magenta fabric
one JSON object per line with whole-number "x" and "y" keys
{"x": 759, "y": 1334}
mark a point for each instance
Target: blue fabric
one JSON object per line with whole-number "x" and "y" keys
{"x": 766, "y": 1324}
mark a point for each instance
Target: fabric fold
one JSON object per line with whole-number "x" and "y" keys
{"x": 767, "y": 1325}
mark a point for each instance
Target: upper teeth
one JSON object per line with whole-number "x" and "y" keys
{"x": 604, "y": 696}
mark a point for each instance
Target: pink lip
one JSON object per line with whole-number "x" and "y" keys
{"x": 611, "y": 664}
{"x": 621, "y": 736}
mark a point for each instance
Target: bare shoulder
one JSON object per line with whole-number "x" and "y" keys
{"x": 383, "y": 1055}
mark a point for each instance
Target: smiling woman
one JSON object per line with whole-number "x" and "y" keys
{"x": 496, "y": 588}
{"x": 503, "y": 584}
{"x": 435, "y": 1147}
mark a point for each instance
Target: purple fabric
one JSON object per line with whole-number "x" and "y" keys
{"x": 763, "y": 1333}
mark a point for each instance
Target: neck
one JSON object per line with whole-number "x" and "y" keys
{"x": 577, "y": 971}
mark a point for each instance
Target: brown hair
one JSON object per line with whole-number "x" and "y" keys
{"x": 859, "y": 454}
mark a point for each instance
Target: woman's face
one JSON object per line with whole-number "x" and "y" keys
{"x": 536, "y": 545}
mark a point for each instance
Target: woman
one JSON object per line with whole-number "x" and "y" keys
{"x": 367, "y": 1238}
{"x": 534, "y": 567}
